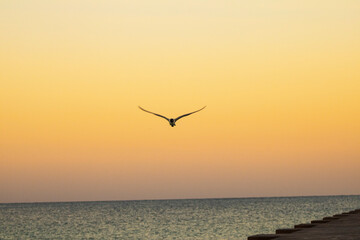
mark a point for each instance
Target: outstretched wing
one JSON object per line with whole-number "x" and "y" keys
{"x": 153, "y": 113}
{"x": 188, "y": 114}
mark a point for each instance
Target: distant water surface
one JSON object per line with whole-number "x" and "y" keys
{"x": 166, "y": 219}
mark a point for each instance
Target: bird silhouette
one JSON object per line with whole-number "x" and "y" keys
{"x": 172, "y": 120}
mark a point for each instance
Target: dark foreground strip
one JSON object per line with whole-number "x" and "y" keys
{"x": 299, "y": 227}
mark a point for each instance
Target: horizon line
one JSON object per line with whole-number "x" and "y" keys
{"x": 175, "y": 199}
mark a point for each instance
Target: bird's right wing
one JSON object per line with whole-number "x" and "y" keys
{"x": 153, "y": 113}
{"x": 188, "y": 114}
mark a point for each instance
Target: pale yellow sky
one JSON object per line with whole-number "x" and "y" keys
{"x": 280, "y": 78}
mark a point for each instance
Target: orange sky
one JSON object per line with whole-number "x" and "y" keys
{"x": 280, "y": 79}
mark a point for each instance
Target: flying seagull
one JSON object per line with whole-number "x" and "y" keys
{"x": 172, "y": 120}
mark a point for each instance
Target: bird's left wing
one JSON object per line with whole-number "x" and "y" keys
{"x": 153, "y": 113}
{"x": 188, "y": 114}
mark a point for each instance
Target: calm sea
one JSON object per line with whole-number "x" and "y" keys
{"x": 166, "y": 219}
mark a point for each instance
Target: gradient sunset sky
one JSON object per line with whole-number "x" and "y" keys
{"x": 280, "y": 78}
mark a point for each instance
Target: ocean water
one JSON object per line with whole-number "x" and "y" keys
{"x": 166, "y": 219}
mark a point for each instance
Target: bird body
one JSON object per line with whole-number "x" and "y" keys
{"x": 171, "y": 120}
